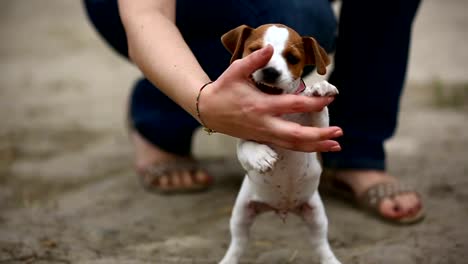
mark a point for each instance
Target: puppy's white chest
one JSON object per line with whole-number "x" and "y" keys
{"x": 292, "y": 181}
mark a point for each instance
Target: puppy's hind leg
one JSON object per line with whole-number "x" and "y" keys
{"x": 313, "y": 213}
{"x": 242, "y": 218}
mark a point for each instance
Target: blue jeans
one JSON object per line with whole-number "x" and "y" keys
{"x": 371, "y": 46}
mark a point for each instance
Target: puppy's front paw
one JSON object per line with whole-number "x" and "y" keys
{"x": 263, "y": 159}
{"x": 322, "y": 88}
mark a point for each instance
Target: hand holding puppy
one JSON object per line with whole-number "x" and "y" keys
{"x": 234, "y": 106}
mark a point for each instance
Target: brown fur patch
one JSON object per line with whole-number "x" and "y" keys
{"x": 298, "y": 52}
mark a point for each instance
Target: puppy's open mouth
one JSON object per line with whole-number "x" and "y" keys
{"x": 267, "y": 88}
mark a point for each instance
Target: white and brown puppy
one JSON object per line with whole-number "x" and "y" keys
{"x": 278, "y": 179}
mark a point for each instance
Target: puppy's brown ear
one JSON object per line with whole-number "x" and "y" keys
{"x": 234, "y": 40}
{"x": 315, "y": 55}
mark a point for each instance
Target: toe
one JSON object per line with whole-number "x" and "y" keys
{"x": 187, "y": 180}
{"x": 403, "y": 205}
{"x": 163, "y": 182}
{"x": 409, "y": 202}
{"x": 202, "y": 177}
{"x": 176, "y": 179}
{"x": 390, "y": 209}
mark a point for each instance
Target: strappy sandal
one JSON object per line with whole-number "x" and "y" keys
{"x": 150, "y": 177}
{"x": 370, "y": 200}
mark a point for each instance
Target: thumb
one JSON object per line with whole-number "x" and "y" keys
{"x": 255, "y": 60}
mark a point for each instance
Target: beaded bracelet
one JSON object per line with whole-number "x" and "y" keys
{"x": 208, "y": 130}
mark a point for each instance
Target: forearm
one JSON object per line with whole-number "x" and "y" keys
{"x": 232, "y": 105}
{"x": 159, "y": 50}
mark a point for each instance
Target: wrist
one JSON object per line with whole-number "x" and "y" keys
{"x": 197, "y": 109}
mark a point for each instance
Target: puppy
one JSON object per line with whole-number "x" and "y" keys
{"x": 278, "y": 179}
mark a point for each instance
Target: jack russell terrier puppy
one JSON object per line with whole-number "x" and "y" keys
{"x": 279, "y": 179}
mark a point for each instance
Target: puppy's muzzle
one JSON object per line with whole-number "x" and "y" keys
{"x": 270, "y": 75}
{"x": 266, "y": 80}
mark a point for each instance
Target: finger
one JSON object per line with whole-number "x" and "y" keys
{"x": 318, "y": 146}
{"x": 296, "y": 134}
{"x": 322, "y": 146}
{"x": 254, "y": 61}
{"x": 288, "y": 103}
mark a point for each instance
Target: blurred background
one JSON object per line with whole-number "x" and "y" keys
{"x": 68, "y": 193}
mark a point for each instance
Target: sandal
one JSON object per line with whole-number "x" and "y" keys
{"x": 371, "y": 198}
{"x": 151, "y": 176}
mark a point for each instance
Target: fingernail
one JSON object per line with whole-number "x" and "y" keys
{"x": 338, "y": 133}
{"x": 335, "y": 148}
{"x": 330, "y": 99}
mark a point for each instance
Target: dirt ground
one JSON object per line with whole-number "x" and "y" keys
{"x": 68, "y": 193}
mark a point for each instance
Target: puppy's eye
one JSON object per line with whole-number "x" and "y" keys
{"x": 292, "y": 59}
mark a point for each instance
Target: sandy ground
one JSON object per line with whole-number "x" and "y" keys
{"x": 68, "y": 193}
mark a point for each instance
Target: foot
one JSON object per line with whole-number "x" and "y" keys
{"x": 147, "y": 156}
{"x": 405, "y": 205}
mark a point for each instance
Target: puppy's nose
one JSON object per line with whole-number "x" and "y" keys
{"x": 270, "y": 74}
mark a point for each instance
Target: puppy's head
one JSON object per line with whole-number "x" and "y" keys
{"x": 291, "y": 52}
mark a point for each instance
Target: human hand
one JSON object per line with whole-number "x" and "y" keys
{"x": 234, "y": 106}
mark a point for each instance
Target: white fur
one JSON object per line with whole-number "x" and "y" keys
{"x": 277, "y": 37}
{"x": 278, "y": 179}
